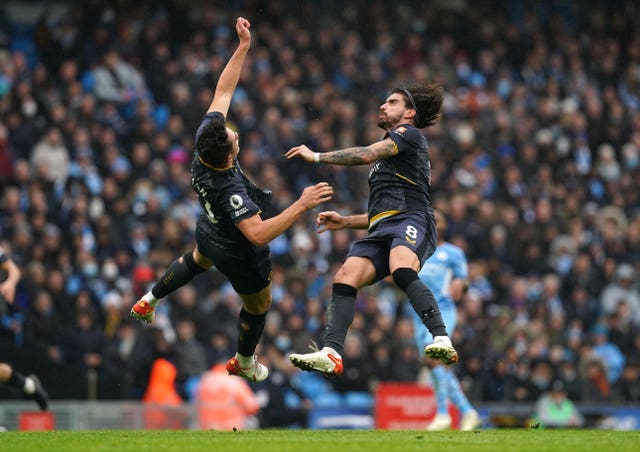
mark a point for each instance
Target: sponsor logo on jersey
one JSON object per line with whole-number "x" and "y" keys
{"x": 236, "y": 201}
{"x": 413, "y": 242}
{"x": 400, "y": 130}
{"x": 443, "y": 255}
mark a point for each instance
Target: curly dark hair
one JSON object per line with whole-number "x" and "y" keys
{"x": 426, "y": 99}
{"x": 213, "y": 143}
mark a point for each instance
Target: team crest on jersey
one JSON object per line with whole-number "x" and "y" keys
{"x": 236, "y": 201}
{"x": 442, "y": 255}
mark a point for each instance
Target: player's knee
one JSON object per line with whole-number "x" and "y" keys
{"x": 264, "y": 305}
{"x": 404, "y": 276}
{"x": 348, "y": 278}
{"x": 196, "y": 261}
{"x": 258, "y": 305}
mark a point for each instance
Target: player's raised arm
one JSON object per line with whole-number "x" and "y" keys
{"x": 361, "y": 155}
{"x": 231, "y": 73}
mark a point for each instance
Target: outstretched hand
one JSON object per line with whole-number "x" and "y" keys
{"x": 301, "y": 151}
{"x": 316, "y": 194}
{"x": 242, "y": 28}
{"x": 329, "y": 221}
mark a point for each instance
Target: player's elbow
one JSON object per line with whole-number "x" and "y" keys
{"x": 255, "y": 231}
{"x": 369, "y": 158}
{"x": 260, "y": 241}
{"x": 257, "y": 238}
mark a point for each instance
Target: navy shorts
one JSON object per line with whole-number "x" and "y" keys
{"x": 248, "y": 269}
{"x": 411, "y": 229}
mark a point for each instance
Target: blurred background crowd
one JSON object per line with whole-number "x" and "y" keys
{"x": 536, "y": 165}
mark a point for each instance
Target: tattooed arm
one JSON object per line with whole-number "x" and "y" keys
{"x": 362, "y": 155}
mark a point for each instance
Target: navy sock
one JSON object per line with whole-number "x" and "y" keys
{"x": 422, "y": 300}
{"x": 250, "y": 327}
{"x": 180, "y": 272}
{"x": 340, "y": 315}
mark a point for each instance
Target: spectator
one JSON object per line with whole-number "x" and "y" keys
{"x": 163, "y": 402}
{"x": 555, "y": 410}
{"x": 622, "y": 290}
{"x": 608, "y": 353}
{"x": 360, "y": 372}
{"x": 43, "y": 331}
{"x": 117, "y": 81}
{"x": 275, "y": 411}
{"x": 190, "y": 355}
{"x": 50, "y": 158}
{"x": 127, "y": 360}
{"x": 626, "y": 389}
{"x": 596, "y": 387}
{"x": 224, "y": 403}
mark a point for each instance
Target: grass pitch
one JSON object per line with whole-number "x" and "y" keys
{"x": 324, "y": 440}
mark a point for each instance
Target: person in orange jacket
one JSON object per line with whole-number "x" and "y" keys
{"x": 165, "y": 404}
{"x": 224, "y": 403}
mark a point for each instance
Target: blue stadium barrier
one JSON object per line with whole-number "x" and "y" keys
{"x": 329, "y": 400}
{"x": 358, "y": 400}
{"x": 313, "y": 385}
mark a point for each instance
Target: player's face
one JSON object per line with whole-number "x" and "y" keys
{"x": 392, "y": 111}
{"x": 233, "y": 137}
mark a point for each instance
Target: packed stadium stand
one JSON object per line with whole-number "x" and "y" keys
{"x": 535, "y": 163}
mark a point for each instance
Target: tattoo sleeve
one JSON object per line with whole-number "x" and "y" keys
{"x": 360, "y": 155}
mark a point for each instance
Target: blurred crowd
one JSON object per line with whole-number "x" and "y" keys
{"x": 536, "y": 164}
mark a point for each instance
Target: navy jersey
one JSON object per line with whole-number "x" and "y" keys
{"x": 224, "y": 197}
{"x": 401, "y": 183}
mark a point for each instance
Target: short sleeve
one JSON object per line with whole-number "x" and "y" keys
{"x": 405, "y": 138}
{"x": 236, "y": 202}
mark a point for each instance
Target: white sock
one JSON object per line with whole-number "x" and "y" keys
{"x": 149, "y": 298}
{"x": 29, "y": 386}
{"x": 244, "y": 361}
{"x": 444, "y": 339}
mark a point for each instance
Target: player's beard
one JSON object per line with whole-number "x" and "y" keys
{"x": 386, "y": 122}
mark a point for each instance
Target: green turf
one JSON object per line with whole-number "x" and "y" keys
{"x": 324, "y": 441}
